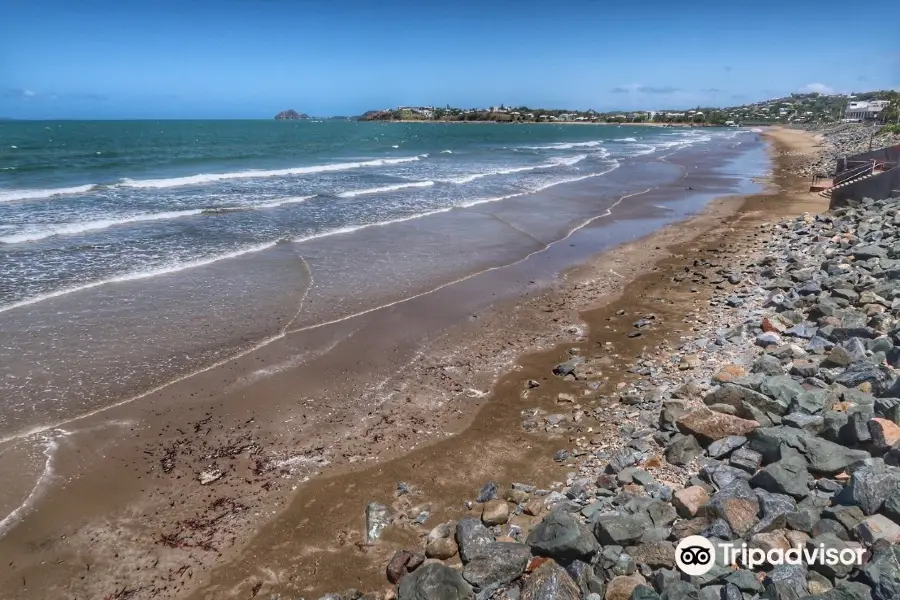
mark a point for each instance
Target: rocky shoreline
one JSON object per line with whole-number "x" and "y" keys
{"x": 779, "y": 429}
{"x": 839, "y": 141}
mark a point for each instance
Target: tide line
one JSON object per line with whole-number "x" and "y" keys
{"x": 282, "y": 334}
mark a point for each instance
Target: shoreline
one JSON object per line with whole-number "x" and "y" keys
{"x": 565, "y": 318}
{"x": 624, "y": 124}
{"x": 590, "y": 294}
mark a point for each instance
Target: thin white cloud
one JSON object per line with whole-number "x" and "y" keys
{"x": 643, "y": 89}
{"x": 19, "y": 94}
{"x": 817, "y": 88}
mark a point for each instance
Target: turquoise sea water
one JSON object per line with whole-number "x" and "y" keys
{"x": 133, "y": 254}
{"x": 83, "y": 203}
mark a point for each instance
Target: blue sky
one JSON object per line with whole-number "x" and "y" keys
{"x": 253, "y": 58}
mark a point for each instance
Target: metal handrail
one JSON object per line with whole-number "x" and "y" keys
{"x": 855, "y": 172}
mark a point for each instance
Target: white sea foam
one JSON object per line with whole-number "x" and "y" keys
{"x": 213, "y": 177}
{"x": 628, "y": 139}
{"x": 85, "y": 226}
{"x": 173, "y": 268}
{"x": 539, "y": 188}
{"x": 11, "y": 195}
{"x": 282, "y": 201}
{"x": 41, "y": 233}
{"x": 446, "y": 151}
{"x": 47, "y": 474}
{"x": 387, "y": 188}
{"x": 560, "y": 162}
{"x": 286, "y": 330}
{"x": 565, "y": 145}
{"x": 164, "y": 270}
{"x": 646, "y": 149}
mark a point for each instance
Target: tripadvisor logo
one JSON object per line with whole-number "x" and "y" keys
{"x": 696, "y": 555}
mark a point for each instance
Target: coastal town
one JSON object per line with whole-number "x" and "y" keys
{"x": 877, "y": 106}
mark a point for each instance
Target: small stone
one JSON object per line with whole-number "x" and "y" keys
{"x": 838, "y": 357}
{"x": 397, "y": 566}
{"x": 620, "y": 529}
{"x": 689, "y": 361}
{"x": 496, "y": 512}
{"x": 683, "y": 449}
{"x": 870, "y": 486}
{"x": 498, "y": 563}
{"x": 729, "y": 372}
{"x": 656, "y": 555}
{"x": 488, "y": 492}
{"x": 534, "y": 507}
{"x": 435, "y": 581}
{"x": 209, "y": 476}
{"x": 737, "y": 505}
{"x": 885, "y": 434}
{"x": 746, "y": 459}
{"x": 770, "y": 541}
{"x": 471, "y": 537}
{"x": 831, "y": 544}
{"x": 725, "y": 446}
{"x": 688, "y": 527}
{"x": 814, "y": 424}
{"x": 718, "y": 529}
{"x": 378, "y": 516}
{"x": 774, "y": 509}
{"x": 710, "y": 426}
{"x": 768, "y": 365}
{"x": 805, "y": 368}
{"x": 769, "y": 338}
{"x": 817, "y": 583}
{"x": 848, "y": 516}
{"x": 745, "y": 581}
{"x": 442, "y": 548}
{"x": 548, "y": 582}
{"x": 883, "y": 571}
{"x": 878, "y": 527}
{"x": 568, "y": 367}
{"x": 561, "y": 537}
{"x": 516, "y": 496}
{"x": 621, "y": 587}
{"x": 786, "y": 476}
{"x": 688, "y": 501}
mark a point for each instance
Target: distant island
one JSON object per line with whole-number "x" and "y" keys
{"x": 291, "y": 115}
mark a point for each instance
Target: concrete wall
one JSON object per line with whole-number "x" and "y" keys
{"x": 878, "y": 187}
{"x": 887, "y": 154}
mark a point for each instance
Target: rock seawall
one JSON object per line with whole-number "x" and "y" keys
{"x": 842, "y": 140}
{"x": 781, "y": 430}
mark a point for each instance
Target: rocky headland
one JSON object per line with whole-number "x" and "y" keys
{"x": 773, "y": 420}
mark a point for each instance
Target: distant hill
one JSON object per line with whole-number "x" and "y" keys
{"x": 291, "y": 115}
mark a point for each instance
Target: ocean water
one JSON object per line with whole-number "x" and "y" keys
{"x": 136, "y": 253}
{"x": 83, "y": 203}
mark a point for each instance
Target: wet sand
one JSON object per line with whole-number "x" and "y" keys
{"x": 437, "y": 416}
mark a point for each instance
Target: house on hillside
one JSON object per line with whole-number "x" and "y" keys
{"x": 865, "y": 110}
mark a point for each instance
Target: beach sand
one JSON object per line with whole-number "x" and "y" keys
{"x": 258, "y": 485}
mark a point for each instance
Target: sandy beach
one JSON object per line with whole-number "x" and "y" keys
{"x": 251, "y": 477}
{"x": 317, "y": 545}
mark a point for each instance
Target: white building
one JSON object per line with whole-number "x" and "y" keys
{"x": 865, "y": 110}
